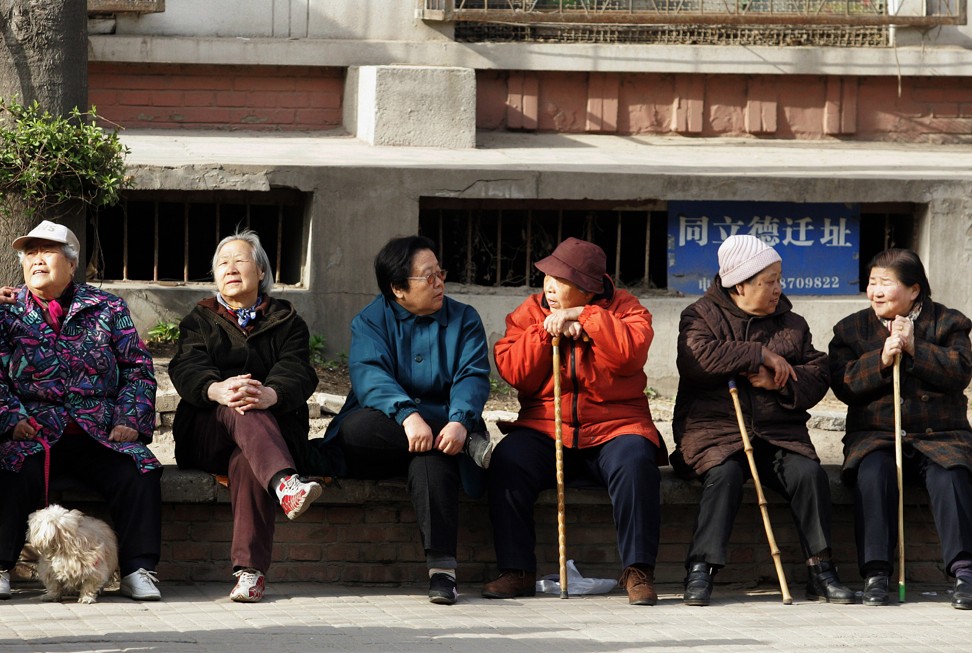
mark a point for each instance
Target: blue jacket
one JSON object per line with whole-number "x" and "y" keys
{"x": 401, "y": 363}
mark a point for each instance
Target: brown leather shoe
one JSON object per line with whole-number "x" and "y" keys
{"x": 640, "y": 584}
{"x": 511, "y": 583}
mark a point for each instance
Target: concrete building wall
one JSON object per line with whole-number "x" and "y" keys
{"x": 378, "y": 20}
{"x": 356, "y": 208}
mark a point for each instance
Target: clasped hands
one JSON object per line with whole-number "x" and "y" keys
{"x": 564, "y": 322}
{"x": 901, "y": 340}
{"x": 242, "y": 393}
{"x": 450, "y": 440}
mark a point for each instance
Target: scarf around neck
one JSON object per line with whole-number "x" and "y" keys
{"x": 243, "y": 315}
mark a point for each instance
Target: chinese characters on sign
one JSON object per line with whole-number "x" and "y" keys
{"x": 819, "y": 243}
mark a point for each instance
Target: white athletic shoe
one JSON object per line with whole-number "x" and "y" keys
{"x": 140, "y": 585}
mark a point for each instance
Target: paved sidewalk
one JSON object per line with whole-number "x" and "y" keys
{"x": 315, "y": 617}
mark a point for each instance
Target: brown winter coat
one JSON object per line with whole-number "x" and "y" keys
{"x": 933, "y": 409}
{"x": 717, "y": 341}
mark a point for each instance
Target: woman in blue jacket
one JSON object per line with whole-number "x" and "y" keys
{"x": 419, "y": 380}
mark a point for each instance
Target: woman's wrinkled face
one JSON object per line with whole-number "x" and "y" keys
{"x": 888, "y": 296}
{"x": 761, "y": 294}
{"x": 419, "y": 296}
{"x": 561, "y": 293}
{"x": 47, "y": 271}
{"x": 237, "y": 275}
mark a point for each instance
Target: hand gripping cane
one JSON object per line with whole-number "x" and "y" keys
{"x": 761, "y": 498}
{"x": 559, "y": 448}
{"x": 899, "y": 465}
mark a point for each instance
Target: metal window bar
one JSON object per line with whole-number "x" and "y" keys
{"x": 475, "y": 239}
{"x": 927, "y": 13}
{"x": 125, "y": 241}
{"x": 156, "y": 226}
{"x": 155, "y": 242}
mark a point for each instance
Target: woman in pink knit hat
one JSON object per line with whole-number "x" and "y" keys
{"x": 744, "y": 328}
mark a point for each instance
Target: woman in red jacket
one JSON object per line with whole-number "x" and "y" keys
{"x": 609, "y": 437}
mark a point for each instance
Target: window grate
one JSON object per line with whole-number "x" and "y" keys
{"x": 168, "y": 237}
{"x": 496, "y": 243}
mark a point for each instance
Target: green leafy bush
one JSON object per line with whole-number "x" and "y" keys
{"x": 164, "y": 332}
{"x": 49, "y": 160}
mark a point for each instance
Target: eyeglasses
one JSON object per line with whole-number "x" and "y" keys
{"x": 432, "y": 276}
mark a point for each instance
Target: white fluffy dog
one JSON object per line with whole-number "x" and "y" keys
{"x": 78, "y": 553}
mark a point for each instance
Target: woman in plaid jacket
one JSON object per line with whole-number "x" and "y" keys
{"x": 936, "y": 366}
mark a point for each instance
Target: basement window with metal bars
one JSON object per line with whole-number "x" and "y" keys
{"x": 169, "y": 237}
{"x": 494, "y": 243}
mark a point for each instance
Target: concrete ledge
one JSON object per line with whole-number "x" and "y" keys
{"x": 198, "y": 487}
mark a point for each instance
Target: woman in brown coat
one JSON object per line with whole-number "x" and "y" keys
{"x": 743, "y": 328}
{"x": 936, "y": 366}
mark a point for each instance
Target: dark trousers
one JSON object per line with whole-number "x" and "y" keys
{"x": 801, "y": 481}
{"x": 523, "y": 465}
{"x": 250, "y": 450}
{"x": 375, "y": 447}
{"x": 134, "y": 498}
{"x": 876, "y": 508}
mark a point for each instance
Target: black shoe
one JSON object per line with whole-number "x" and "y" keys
{"x": 875, "y": 590}
{"x": 698, "y": 584}
{"x": 479, "y": 447}
{"x": 962, "y": 597}
{"x": 443, "y": 589}
{"x": 824, "y": 585}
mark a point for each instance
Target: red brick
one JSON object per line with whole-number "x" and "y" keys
{"x": 305, "y": 552}
{"x": 264, "y": 99}
{"x": 261, "y": 83}
{"x": 318, "y": 118}
{"x": 168, "y": 98}
{"x": 325, "y": 99}
{"x": 199, "y": 98}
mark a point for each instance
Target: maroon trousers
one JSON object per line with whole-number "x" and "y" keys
{"x": 250, "y": 450}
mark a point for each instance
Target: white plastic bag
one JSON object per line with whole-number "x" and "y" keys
{"x": 576, "y": 584}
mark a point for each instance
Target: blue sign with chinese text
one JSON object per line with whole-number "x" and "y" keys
{"x": 819, "y": 243}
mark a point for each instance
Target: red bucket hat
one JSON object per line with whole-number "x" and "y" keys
{"x": 579, "y": 262}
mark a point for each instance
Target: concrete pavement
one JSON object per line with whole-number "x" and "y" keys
{"x": 302, "y": 616}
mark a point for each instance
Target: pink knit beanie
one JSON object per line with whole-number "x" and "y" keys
{"x": 742, "y": 257}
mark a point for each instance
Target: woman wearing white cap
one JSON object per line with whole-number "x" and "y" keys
{"x": 743, "y": 328}
{"x": 77, "y": 398}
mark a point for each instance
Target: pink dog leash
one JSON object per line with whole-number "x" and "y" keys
{"x": 47, "y": 458}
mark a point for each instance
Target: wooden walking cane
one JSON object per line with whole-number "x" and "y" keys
{"x": 559, "y": 448}
{"x": 899, "y": 465}
{"x": 760, "y": 497}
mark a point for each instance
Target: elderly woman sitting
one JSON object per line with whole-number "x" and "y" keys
{"x": 419, "y": 381}
{"x": 77, "y": 398}
{"x": 244, "y": 375}
{"x": 609, "y": 437}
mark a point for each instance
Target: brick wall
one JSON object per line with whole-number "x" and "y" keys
{"x": 365, "y": 532}
{"x": 283, "y": 98}
{"x": 936, "y": 110}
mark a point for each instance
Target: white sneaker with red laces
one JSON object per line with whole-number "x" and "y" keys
{"x": 250, "y": 586}
{"x": 296, "y": 496}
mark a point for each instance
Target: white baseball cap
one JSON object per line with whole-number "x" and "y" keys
{"x": 51, "y": 231}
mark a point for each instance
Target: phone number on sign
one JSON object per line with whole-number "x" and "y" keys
{"x": 806, "y": 283}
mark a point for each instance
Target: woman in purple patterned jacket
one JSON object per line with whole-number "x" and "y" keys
{"x": 77, "y": 398}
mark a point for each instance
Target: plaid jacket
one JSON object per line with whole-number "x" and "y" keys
{"x": 933, "y": 408}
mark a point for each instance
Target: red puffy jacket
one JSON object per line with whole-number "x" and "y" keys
{"x": 602, "y": 380}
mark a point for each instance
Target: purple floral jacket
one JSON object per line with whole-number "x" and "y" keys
{"x": 96, "y": 371}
